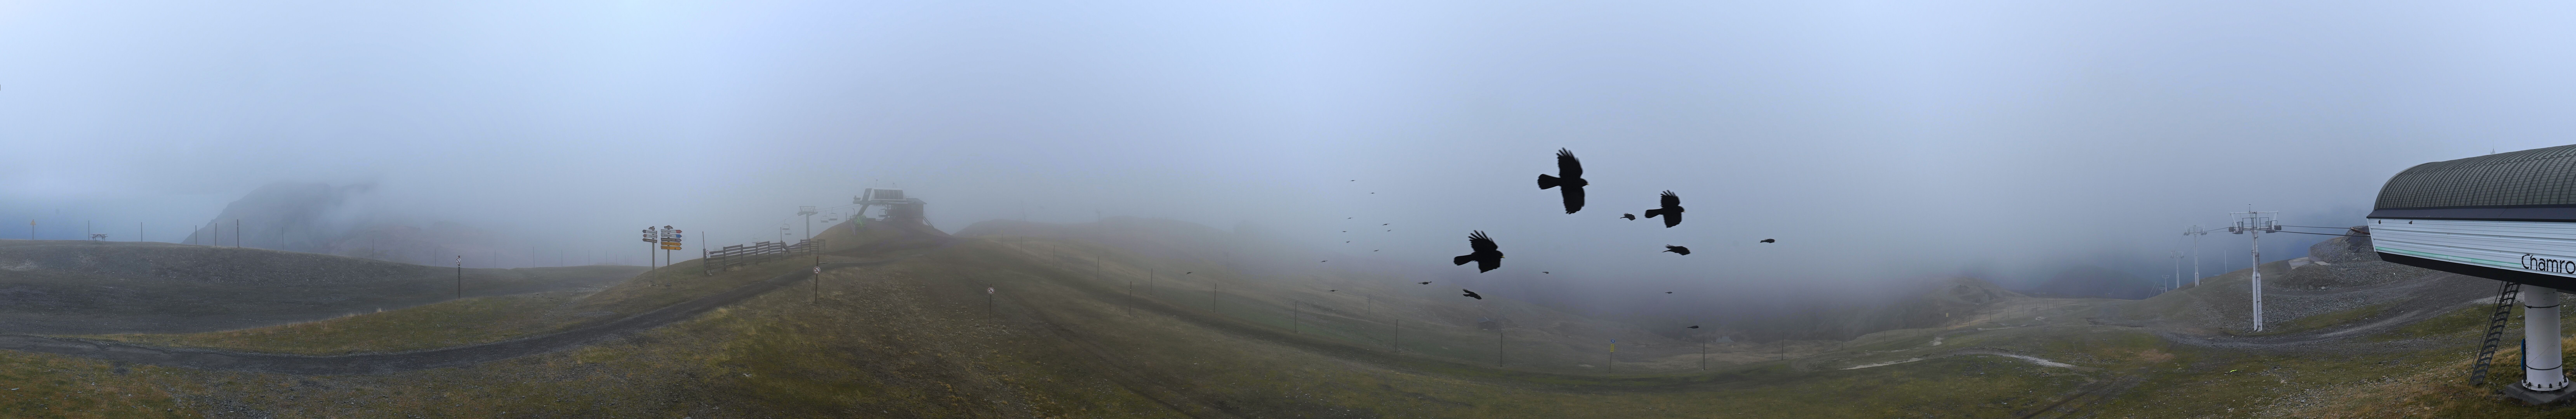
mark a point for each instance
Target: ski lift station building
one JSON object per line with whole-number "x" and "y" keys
{"x": 2509, "y": 217}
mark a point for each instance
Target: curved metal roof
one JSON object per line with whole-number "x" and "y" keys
{"x": 2536, "y": 184}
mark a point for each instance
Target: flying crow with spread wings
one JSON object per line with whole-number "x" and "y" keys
{"x": 1484, "y": 255}
{"x": 1424, "y": 282}
{"x": 1569, "y": 177}
{"x": 1770, "y": 241}
{"x": 1672, "y": 210}
{"x": 1677, "y": 249}
{"x": 1470, "y": 294}
{"x": 1630, "y": 217}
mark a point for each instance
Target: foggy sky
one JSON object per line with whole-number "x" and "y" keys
{"x": 1880, "y": 142}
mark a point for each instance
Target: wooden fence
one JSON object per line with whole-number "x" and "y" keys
{"x": 740, "y": 254}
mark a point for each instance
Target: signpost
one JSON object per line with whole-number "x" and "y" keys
{"x": 1614, "y": 356}
{"x": 650, "y": 239}
{"x": 670, "y": 241}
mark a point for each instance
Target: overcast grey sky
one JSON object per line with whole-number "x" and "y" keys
{"x": 1876, "y": 140}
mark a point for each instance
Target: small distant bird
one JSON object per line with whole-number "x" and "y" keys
{"x": 1630, "y": 217}
{"x": 1187, "y": 273}
{"x": 1484, "y": 253}
{"x": 1471, "y": 294}
{"x": 1385, "y": 224}
{"x": 1668, "y": 292}
{"x": 1332, "y": 290}
{"x": 1770, "y": 241}
{"x": 1569, "y": 174}
{"x": 1544, "y": 272}
{"x": 1676, "y": 249}
{"x": 1692, "y": 327}
{"x": 1671, "y": 211}
{"x": 1424, "y": 282}
{"x": 1321, "y": 261}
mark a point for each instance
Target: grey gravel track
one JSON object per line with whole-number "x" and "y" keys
{"x": 405, "y": 361}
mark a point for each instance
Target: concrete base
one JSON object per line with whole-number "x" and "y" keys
{"x": 2537, "y": 398}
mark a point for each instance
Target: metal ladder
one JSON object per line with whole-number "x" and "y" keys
{"x": 2505, "y": 297}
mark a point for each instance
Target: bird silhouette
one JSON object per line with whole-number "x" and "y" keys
{"x": 1424, "y": 282}
{"x": 1671, "y": 211}
{"x": 1384, "y": 224}
{"x": 1320, "y": 261}
{"x": 1470, "y": 294}
{"x": 1545, "y": 272}
{"x": 1668, "y": 292}
{"x": 1569, "y": 175}
{"x": 1692, "y": 327}
{"x": 1484, "y": 253}
{"x": 1187, "y": 273}
{"x": 1630, "y": 217}
{"x": 1332, "y": 290}
{"x": 1676, "y": 249}
{"x": 1770, "y": 241}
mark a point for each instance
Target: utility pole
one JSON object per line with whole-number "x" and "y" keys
{"x": 460, "y": 276}
{"x": 2255, "y": 223}
{"x": 2195, "y": 232}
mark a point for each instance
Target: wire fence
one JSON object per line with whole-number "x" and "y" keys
{"x": 745, "y": 254}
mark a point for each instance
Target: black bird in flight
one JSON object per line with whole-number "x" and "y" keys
{"x": 1676, "y": 249}
{"x": 1471, "y": 294}
{"x": 1332, "y": 290}
{"x": 1544, "y": 272}
{"x": 1569, "y": 174}
{"x": 1668, "y": 292}
{"x": 1424, "y": 282}
{"x": 1671, "y": 211}
{"x": 1630, "y": 217}
{"x": 1770, "y": 241}
{"x": 1692, "y": 327}
{"x": 1484, "y": 254}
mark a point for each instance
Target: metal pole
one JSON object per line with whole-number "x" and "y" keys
{"x": 2257, "y": 274}
{"x": 460, "y": 275}
{"x": 2540, "y": 335}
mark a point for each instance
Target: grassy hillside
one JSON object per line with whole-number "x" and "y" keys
{"x": 72, "y": 287}
{"x": 1063, "y": 337}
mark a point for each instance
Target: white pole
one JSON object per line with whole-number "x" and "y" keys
{"x": 2257, "y": 273}
{"x": 2540, "y": 356}
{"x": 2195, "y": 258}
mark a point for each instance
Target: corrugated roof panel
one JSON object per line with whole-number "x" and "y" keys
{"x": 2543, "y": 176}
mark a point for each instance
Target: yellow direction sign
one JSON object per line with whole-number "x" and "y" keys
{"x": 670, "y": 248}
